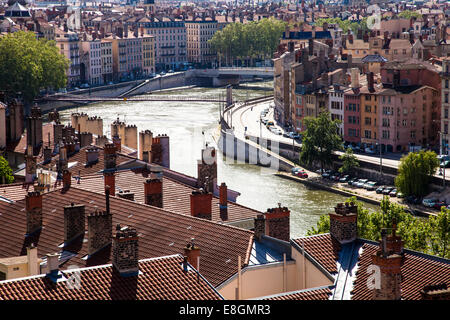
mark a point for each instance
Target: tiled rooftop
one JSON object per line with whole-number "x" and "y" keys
{"x": 159, "y": 278}
{"x": 308, "y": 294}
{"x": 161, "y": 233}
{"x": 418, "y": 270}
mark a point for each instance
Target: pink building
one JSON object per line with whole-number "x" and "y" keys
{"x": 352, "y": 121}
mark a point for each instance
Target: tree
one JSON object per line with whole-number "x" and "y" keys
{"x": 31, "y": 65}
{"x": 440, "y": 233}
{"x": 349, "y": 161}
{"x": 5, "y": 172}
{"x": 320, "y": 139}
{"x": 408, "y": 14}
{"x": 415, "y": 172}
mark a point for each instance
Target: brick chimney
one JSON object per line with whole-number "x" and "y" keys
{"x": 67, "y": 179}
{"x": 110, "y": 156}
{"x": 390, "y": 272}
{"x": 34, "y": 130}
{"x": 47, "y": 154}
{"x": 33, "y": 207}
{"x": 343, "y": 222}
{"x": 153, "y": 192}
{"x": 117, "y": 142}
{"x": 99, "y": 230}
{"x": 30, "y": 165}
{"x": 201, "y": 204}
{"x": 110, "y": 182}
{"x": 370, "y": 82}
{"x": 125, "y": 251}
{"x": 74, "y": 221}
{"x": 277, "y": 223}
{"x": 223, "y": 201}
{"x": 192, "y": 252}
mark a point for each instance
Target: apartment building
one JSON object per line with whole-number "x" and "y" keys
{"x": 69, "y": 45}
{"x": 445, "y": 99}
{"x": 134, "y": 49}
{"x": 119, "y": 54}
{"x": 336, "y": 105}
{"x": 198, "y": 33}
{"x": 148, "y": 54}
{"x": 91, "y": 67}
{"x": 169, "y": 43}
{"x": 369, "y": 114}
{"x": 107, "y": 60}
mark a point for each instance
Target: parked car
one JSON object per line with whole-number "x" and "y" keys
{"x": 439, "y": 204}
{"x": 369, "y": 150}
{"x": 84, "y": 86}
{"x": 345, "y": 178}
{"x": 400, "y": 195}
{"x": 276, "y": 131}
{"x": 302, "y": 174}
{"x": 326, "y": 174}
{"x": 370, "y": 186}
{"x": 379, "y": 190}
{"x": 269, "y": 123}
{"x": 295, "y": 170}
{"x": 429, "y": 202}
{"x": 287, "y": 134}
{"x": 387, "y": 190}
{"x": 264, "y": 121}
{"x": 352, "y": 181}
{"x": 361, "y": 183}
{"x": 170, "y": 71}
{"x": 413, "y": 200}
{"x": 393, "y": 192}
{"x": 445, "y": 164}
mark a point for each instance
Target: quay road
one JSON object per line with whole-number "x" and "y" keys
{"x": 246, "y": 120}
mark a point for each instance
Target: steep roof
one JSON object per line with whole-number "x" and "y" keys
{"x": 159, "y": 278}
{"x": 348, "y": 264}
{"x": 161, "y": 233}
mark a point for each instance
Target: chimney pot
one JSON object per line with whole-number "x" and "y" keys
{"x": 33, "y": 203}
{"x": 192, "y": 252}
{"x": 153, "y": 192}
{"x": 74, "y": 222}
{"x": 223, "y": 201}
{"x": 201, "y": 204}
{"x": 99, "y": 230}
{"x": 125, "y": 250}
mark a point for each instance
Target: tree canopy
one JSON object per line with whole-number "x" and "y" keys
{"x": 415, "y": 172}
{"x": 345, "y": 25}
{"x": 30, "y": 65}
{"x": 320, "y": 139}
{"x": 257, "y": 39}
{"x": 5, "y": 172}
{"x": 408, "y": 14}
{"x": 349, "y": 161}
{"x": 431, "y": 236}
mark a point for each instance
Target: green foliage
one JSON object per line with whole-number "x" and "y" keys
{"x": 415, "y": 171}
{"x": 408, "y": 14}
{"x": 5, "y": 172}
{"x": 30, "y": 64}
{"x": 345, "y": 25}
{"x": 250, "y": 40}
{"x": 431, "y": 236}
{"x": 349, "y": 161}
{"x": 320, "y": 139}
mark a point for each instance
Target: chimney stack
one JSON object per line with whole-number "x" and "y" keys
{"x": 117, "y": 142}
{"x": 74, "y": 221}
{"x": 125, "y": 251}
{"x": 53, "y": 266}
{"x": 91, "y": 155}
{"x": 192, "y": 252}
{"x": 223, "y": 201}
{"x": 30, "y": 165}
{"x": 343, "y": 222}
{"x": 33, "y": 207}
{"x": 207, "y": 169}
{"x": 201, "y": 204}
{"x": 390, "y": 271}
{"x": 47, "y": 155}
{"x": 99, "y": 230}
{"x": 435, "y": 292}
{"x": 277, "y": 223}
{"x": 153, "y": 191}
{"x": 67, "y": 179}
{"x": 32, "y": 260}
{"x": 110, "y": 156}
{"x": 260, "y": 226}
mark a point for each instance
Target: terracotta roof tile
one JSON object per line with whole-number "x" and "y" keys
{"x": 323, "y": 248}
{"x": 176, "y": 195}
{"x": 161, "y": 232}
{"x": 159, "y": 279}
{"x": 313, "y": 294}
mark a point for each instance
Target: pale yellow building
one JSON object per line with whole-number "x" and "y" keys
{"x": 148, "y": 54}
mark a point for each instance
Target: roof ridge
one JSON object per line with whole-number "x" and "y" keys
{"x": 294, "y": 292}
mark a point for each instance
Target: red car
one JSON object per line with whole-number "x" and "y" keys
{"x": 439, "y": 204}
{"x": 302, "y": 174}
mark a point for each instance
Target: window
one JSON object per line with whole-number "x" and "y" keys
{"x": 413, "y": 134}
{"x": 368, "y": 108}
{"x": 404, "y": 123}
{"x": 385, "y": 134}
{"x": 368, "y": 121}
{"x": 367, "y": 134}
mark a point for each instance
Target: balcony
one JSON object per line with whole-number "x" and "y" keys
{"x": 167, "y": 47}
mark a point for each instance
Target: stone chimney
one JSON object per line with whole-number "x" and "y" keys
{"x": 34, "y": 130}
{"x": 201, "y": 204}
{"x": 33, "y": 207}
{"x": 47, "y": 154}
{"x": 153, "y": 192}
{"x": 343, "y": 222}
{"x": 100, "y": 141}
{"x": 99, "y": 230}
{"x": 390, "y": 271}
{"x": 85, "y": 139}
{"x": 207, "y": 169}
{"x": 260, "y": 226}
{"x": 146, "y": 156}
{"x": 223, "y": 201}
{"x": 30, "y": 165}
{"x": 91, "y": 155}
{"x": 370, "y": 82}
{"x": 74, "y": 221}
{"x": 277, "y": 223}
{"x": 192, "y": 252}
{"x": 67, "y": 179}
{"x": 53, "y": 267}
{"x": 32, "y": 260}
{"x": 125, "y": 251}
{"x": 117, "y": 142}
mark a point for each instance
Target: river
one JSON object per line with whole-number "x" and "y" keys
{"x": 190, "y": 125}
